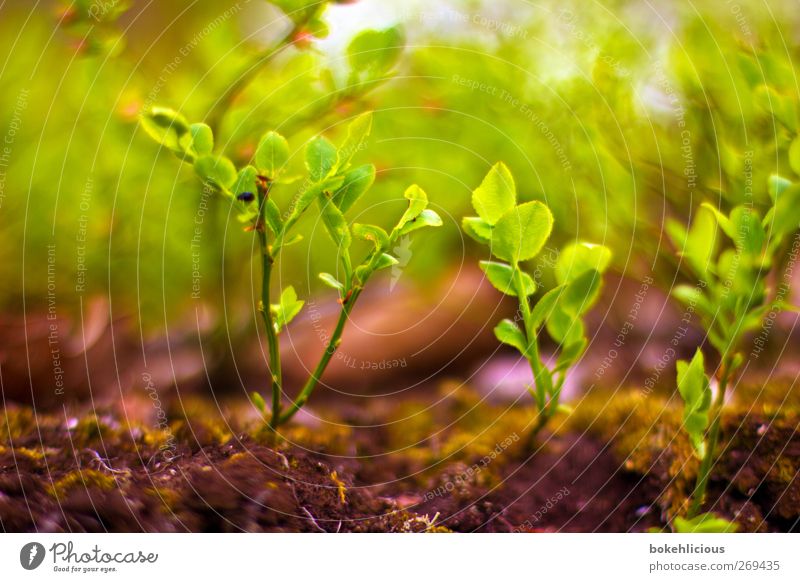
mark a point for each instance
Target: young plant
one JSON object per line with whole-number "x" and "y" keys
{"x": 731, "y": 298}
{"x": 334, "y": 185}
{"x": 516, "y": 233}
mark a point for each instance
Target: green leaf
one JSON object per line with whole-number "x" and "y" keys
{"x": 694, "y": 389}
{"x": 371, "y": 233}
{"x": 202, "y": 138}
{"x": 321, "y": 158}
{"x": 784, "y": 217}
{"x": 570, "y": 354}
{"x": 578, "y": 258}
{"x": 417, "y": 202}
{"x": 311, "y": 193}
{"x": 776, "y": 185}
{"x": 694, "y": 297}
{"x": 167, "y": 127}
{"x": 272, "y": 154}
{"x": 246, "y": 181}
{"x": 700, "y": 245}
{"x": 750, "y": 235}
{"x": 386, "y": 260}
{"x": 336, "y": 225}
{"x": 375, "y": 52}
{"x": 704, "y": 523}
{"x": 272, "y": 216}
{"x": 477, "y": 229}
{"x": 356, "y": 182}
{"x": 545, "y": 306}
{"x": 501, "y": 276}
{"x": 425, "y": 218}
{"x": 218, "y": 171}
{"x": 258, "y": 401}
{"x": 288, "y": 308}
{"x": 794, "y": 155}
{"x": 581, "y": 293}
{"x": 496, "y": 195}
{"x": 563, "y": 327}
{"x": 723, "y": 221}
{"x": 331, "y": 281}
{"x": 521, "y": 232}
{"x": 509, "y": 333}
{"x": 357, "y": 133}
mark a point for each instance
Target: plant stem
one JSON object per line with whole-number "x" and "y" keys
{"x": 267, "y": 260}
{"x": 330, "y": 349}
{"x": 532, "y": 354}
{"x": 713, "y": 436}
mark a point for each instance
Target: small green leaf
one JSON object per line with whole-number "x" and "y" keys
{"x": 502, "y": 277}
{"x": 202, "y": 138}
{"x": 218, "y": 171}
{"x": 696, "y": 394}
{"x": 356, "y": 182}
{"x": 700, "y": 246}
{"x": 272, "y": 154}
{"x": 321, "y": 158}
{"x": 704, "y": 523}
{"x": 509, "y": 333}
{"x": 336, "y": 225}
{"x": 417, "y": 202}
{"x": 521, "y": 232}
{"x": 545, "y": 306}
{"x": 258, "y": 401}
{"x": 272, "y": 216}
{"x": 750, "y": 235}
{"x": 570, "y": 354}
{"x": 578, "y": 258}
{"x": 496, "y": 195}
{"x": 794, "y": 155}
{"x": 425, "y": 218}
{"x": 357, "y": 133}
{"x": 581, "y": 293}
{"x": 386, "y": 260}
{"x": 375, "y": 52}
{"x": 288, "y": 308}
{"x": 167, "y": 127}
{"x": 311, "y": 193}
{"x": 331, "y": 281}
{"x": 723, "y": 221}
{"x": 477, "y": 229}
{"x": 564, "y": 327}
{"x": 374, "y": 234}
{"x": 246, "y": 181}
{"x": 776, "y": 186}
{"x": 695, "y": 298}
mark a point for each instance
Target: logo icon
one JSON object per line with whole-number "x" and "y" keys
{"x": 31, "y": 555}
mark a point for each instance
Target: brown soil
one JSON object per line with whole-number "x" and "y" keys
{"x": 459, "y": 465}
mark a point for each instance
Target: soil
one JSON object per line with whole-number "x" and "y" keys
{"x": 449, "y": 462}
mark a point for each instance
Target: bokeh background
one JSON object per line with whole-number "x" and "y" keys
{"x": 623, "y": 116}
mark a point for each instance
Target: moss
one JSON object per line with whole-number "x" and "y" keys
{"x": 92, "y": 429}
{"x": 81, "y": 479}
{"x": 16, "y": 423}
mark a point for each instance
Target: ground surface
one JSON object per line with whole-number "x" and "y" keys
{"x": 446, "y": 462}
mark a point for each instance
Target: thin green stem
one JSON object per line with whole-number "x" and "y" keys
{"x": 532, "y": 352}
{"x": 713, "y": 436}
{"x": 267, "y": 261}
{"x": 330, "y": 349}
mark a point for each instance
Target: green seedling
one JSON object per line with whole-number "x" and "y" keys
{"x": 333, "y": 185}
{"x": 515, "y": 233}
{"x": 731, "y": 297}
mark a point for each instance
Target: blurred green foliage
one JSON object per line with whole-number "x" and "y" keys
{"x": 619, "y": 115}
